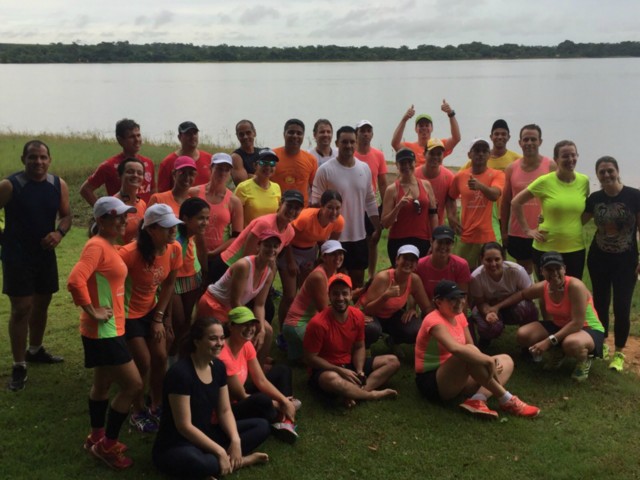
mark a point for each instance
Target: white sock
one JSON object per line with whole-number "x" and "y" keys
{"x": 33, "y": 349}
{"x": 20, "y": 364}
{"x": 479, "y": 396}
{"x": 505, "y": 398}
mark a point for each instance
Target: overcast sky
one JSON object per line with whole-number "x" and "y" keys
{"x": 300, "y": 22}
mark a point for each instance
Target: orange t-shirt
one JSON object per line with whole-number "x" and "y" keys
{"x": 295, "y": 172}
{"x": 419, "y": 150}
{"x": 143, "y": 280}
{"x": 133, "y": 221}
{"x": 309, "y": 231}
{"x": 168, "y": 199}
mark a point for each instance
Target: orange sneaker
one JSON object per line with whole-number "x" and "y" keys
{"x": 517, "y": 407}
{"x": 478, "y": 408}
{"x": 114, "y": 457}
{"x": 89, "y": 442}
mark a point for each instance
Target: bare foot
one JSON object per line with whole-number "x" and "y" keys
{"x": 349, "y": 402}
{"x": 254, "y": 459}
{"x": 380, "y": 394}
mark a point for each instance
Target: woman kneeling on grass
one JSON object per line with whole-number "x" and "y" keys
{"x": 266, "y": 396}
{"x": 198, "y": 435}
{"x": 574, "y": 329}
{"x": 96, "y": 284}
{"x": 448, "y": 364}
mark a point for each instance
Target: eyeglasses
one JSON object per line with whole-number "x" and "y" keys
{"x": 270, "y": 163}
{"x": 417, "y": 207}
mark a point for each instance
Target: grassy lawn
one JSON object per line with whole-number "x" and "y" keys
{"x": 584, "y": 431}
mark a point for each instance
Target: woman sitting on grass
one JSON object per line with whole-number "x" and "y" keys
{"x": 574, "y": 329}
{"x": 265, "y": 396}
{"x": 198, "y": 436}
{"x": 448, "y": 364}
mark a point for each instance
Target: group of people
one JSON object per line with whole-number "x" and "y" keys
{"x": 176, "y": 280}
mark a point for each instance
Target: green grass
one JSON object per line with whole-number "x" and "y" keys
{"x": 584, "y": 431}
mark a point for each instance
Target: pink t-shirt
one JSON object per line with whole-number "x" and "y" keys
{"x": 236, "y": 250}
{"x": 377, "y": 165}
{"x": 429, "y": 353}
{"x": 440, "y": 185}
{"x": 238, "y": 365}
{"x": 457, "y": 270}
{"x": 518, "y": 182}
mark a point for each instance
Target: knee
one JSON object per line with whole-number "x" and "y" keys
{"x": 20, "y": 311}
{"x": 391, "y": 362}
{"x": 506, "y": 361}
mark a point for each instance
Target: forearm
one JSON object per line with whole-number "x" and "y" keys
{"x": 396, "y": 139}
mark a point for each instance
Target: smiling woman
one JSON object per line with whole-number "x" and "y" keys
{"x": 131, "y": 172}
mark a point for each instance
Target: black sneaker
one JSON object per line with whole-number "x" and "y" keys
{"x": 42, "y": 356}
{"x": 18, "y": 378}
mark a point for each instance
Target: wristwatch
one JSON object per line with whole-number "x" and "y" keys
{"x": 452, "y": 114}
{"x": 554, "y": 341}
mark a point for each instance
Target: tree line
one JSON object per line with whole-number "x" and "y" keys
{"x": 125, "y": 52}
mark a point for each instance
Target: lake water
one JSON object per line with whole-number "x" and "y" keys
{"x": 591, "y": 101}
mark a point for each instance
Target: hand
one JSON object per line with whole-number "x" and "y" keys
{"x": 538, "y": 235}
{"x": 157, "y": 331}
{"x": 407, "y": 198}
{"x": 455, "y": 225}
{"x": 499, "y": 366}
{"x": 474, "y": 183}
{"x": 445, "y": 107}
{"x": 169, "y": 333}
{"x": 349, "y": 375}
{"x": 375, "y": 236}
{"x": 288, "y": 409}
{"x": 504, "y": 233}
{"x": 393, "y": 290}
{"x": 102, "y": 314}
{"x": 491, "y": 365}
{"x": 258, "y": 340}
{"x": 235, "y": 454}
{"x": 51, "y": 240}
{"x": 408, "y": 315}
{"x": 540, "y": 347}
{"x": 409, "y": 113}
{"x": 225, "y": 464}
{"x": 292, "y": 268}
{"x": 491, "y": 317}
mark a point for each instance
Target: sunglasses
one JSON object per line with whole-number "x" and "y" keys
{"x": 270, "y": 163}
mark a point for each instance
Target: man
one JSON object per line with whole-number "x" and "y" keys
{"x": 499, "y": 156}
{"x": 440, "y": 178}
{"x": 188, "y": 136}
{"x": 296, "y": 168}
{"x": 478, "y": 187}
{"x": 352, "y": 179}
{"x": 32, "y": 199}
{"x": 424, "y": 128}
{"x": 244, "y": 158}
{"x": 129, "y": 138}
{"x": 335, "y": 353}
{"x": 374, "y": 158}
{"x": 323, "y": 135}
{"x": 517, "y": 177}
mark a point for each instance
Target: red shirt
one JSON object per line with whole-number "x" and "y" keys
{"x": 331, "y": 340}
{"x": 165, "y": 170}
{"x": 107, "y": 174}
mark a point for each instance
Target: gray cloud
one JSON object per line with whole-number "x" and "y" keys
{"x": 163, "y": 18}
{"x": 258, "y": 13}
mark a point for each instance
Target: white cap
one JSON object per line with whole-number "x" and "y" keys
{"x": 111, "y": 206}
{"x": 362, "y": 123}
{"x": 331, "y": 246}
{"x": 412, "y": 249}
{"x": 221, "y": 157}
{"x": 478, "y": 140}
{"x": 161, "y": 214}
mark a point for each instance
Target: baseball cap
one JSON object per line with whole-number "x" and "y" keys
{"x": 161, "y": 214}
{"x": 340, "y": 277}
{"x": 240, "y": 315}
{"x": 267, "y": 154}
{"x": 478, "y": 140}
{"x": 434, "y": 143}
{"x": 111, "y": 206}
{"x": 405, "y": 154}
{"x": 293, "y": 196}
{"x": 186, "y": 126}
{"x": 405, "y": 249}
{"x": 331, "y": 246}
{"x": 423, "y": 116}
{"x": 221, "y": 157}
{"x": 443, "y": 232}
{"x": 184, "y": 162}
{"x": 362, "y": 123}
{"x": 500, "y": 123}
{"x": 263, "y": 235}
{"x": 447, "y": 289}
{"x": 551, "y": 258}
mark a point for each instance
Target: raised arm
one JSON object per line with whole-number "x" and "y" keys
{"x": 453, "y": 124}
{"x": 396, "y": 140}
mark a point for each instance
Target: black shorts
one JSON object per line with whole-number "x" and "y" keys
{"x": 105, "y": 352}
{"x": 316, "y": 372}
{"x": 520, "y": 248}
{"x": 41, "y": 277}
{"x": 573, "y": 262}
{"x": 368, "y": 226}
{"x": 356, "y": 256}
{"x": 427, "y": 384}
{"x": 597, "y": 337}
{"x": 139, "y": 327}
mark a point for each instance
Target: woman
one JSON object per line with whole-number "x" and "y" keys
{"x": 574, "y": 329}
{"x": 448, "y": 364}
{"x": 131, "y": 172}
{"x": 224, "y": 208}
{"x": 409, "y": 208}
{"x": 198, "y": 435}
{"x": 442, "y": 264}
{"x": 194, "y": 213}
{"x": 249, "y": 279}
{"x": 153, "y": 261}
{"x": 102, "y": 326}
{"x": 312, "y": 298}
{"x": 493, "y": 281}
{"x": 259, "y": 195}
{"x": 562, "y": 195}
{"x": 386, "y": 300}
{"x": 267, "y": 397}
{"x": 244, "y": 158}
{"x": 613, "y": 255}
{"x": 313, "y": 226}
{"x": 184, "y": 174}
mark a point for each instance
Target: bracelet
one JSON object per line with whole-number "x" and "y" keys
{"x": 452, "y": 114}
{"x": 160, "y": 312}
{"x": 433, "y": 211}
{"x": 157, "y": 321}
{"x": 61, "y": 232}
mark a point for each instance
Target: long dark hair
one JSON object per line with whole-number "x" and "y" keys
{"x": 189, "y": 209}
{"x": 145, "y": 245}
{"x": 196, "y": 332}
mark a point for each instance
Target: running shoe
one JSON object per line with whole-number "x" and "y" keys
{"x": 18, "y": 378}
{"x": 155, "y": 414}
{"x": 478, "y": 408}
{"x": 605, "y": 351}
{"x": 88, "y": 443}
{"x": 142, "y": 422}
{"x": 296, "y": 403}
{"x": 517, "y": 407}
{"x": 581, "y": 372}
{"x": 555, "y": 359}
{"x": 42, "y": 356}
{"x": 285, "y": 431}
{"x": 617, "y": 363}
{"x": 114, "y": 456}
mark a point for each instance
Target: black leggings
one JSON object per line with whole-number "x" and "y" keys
{"x": 615, "y": 271}
{"x": 573, "y": 263}
{"x": 393, "y": 326}
{"x": 259, "y": 404}
{"x": 188, "y": 461}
